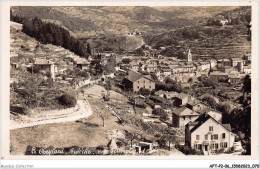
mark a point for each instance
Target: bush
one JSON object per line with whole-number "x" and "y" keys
{"x": 164, "y": 116}
{"x": 144, "y": 92}
{"x": 68, "y": 100}
{"x": 158, "y": 111}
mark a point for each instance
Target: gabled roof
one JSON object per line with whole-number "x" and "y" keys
{"x": 247, "y": 67}
{"x": 134, "y": 76}
{"x": 207, "y": 110}
{"x": 160, "y": 92}
{"x": 148, "y": 77}
{"x": 237, "y": 59}
{"x": 183, "y": 111}
{"x": 195, "y": 102}
{"x": 182, "y": 95}
{"x": 40, "y": 61}
{"x": 202, "y": 119}
{"x": 218, "y": 73}
{"x": 170, "y": 95}
{"x": 82, "y": 62}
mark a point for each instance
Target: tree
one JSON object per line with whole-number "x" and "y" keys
{"x": 210, "y": 101}
{"x": 49, "y": 38}
{"x": 144, "y": 92}
{"x": 67, "y": 100}
{"x": 154, "y": 77}
{"x": 126, "y": 61}
{"x": 96, "y": 67}
{"x": 246, "y": 84}
{"x": 237, "y": 20}
{"x": 168, "y": 136}
{"x": 88, "y": 49}
{"x": 139, "y": 52}
{"x": 30, "y": 90}
{"x": 190, "y": 80}
{"x": 157, "y": 111}
{"x": 243, "y": 18}
{"x": 225, "y": 109}
{"x": 110, "y": 66}
{"x": 164, "y": 116}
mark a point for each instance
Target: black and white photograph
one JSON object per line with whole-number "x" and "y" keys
{"x": 130, "y": 81}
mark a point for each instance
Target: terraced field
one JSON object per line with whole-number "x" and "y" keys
{"x": 222, "y": 46}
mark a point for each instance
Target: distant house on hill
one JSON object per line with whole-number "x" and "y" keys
{"x": 160, "y": 93}
{"x": 233, "y": 80}
{"x": 196, "y": 105}
{"x": 182, "y": 99}
{"x": 82, "y": 65}
{"x": 46, "y": 65}
{"x": 170, "y": 95}
{"x": 208, "y": 135}
{"x": 135, "y": 81}
{"x": 213, "y": 63}
{"x": 217, "y": 115}
{"x": 234, "y": 61}
{"x": 247, "y": 57}
{"x": 223, "y": 63}
{"x": 218, "y": 76}
{"x": 247, "y": 69}
{"x": 182, "y": 116}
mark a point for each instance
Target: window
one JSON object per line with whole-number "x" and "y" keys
{"x": 223, "y": 135}
{"x": 206, "y": 137}
{"x": 216, "y": 145}
{"x": 225, "y": 144}
{"x": 214, "y": 137}
{"x": 211, "y": 146}
{"x": 197, "y": 137}
{"x": 210, "y": 128}
{"x": 138, "y": 81}
{"x": 183, "y": 117}
{"x": 150, "y": 87}
{"x": 138, "y": 87}
{"x": 197, "y": 146}
{"x": 190, "y": 117}
{"x": 144, "y": 81}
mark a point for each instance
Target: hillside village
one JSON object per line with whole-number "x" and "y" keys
{"x": 138, "y": 105}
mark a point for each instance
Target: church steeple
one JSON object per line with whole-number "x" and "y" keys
{"x": 189, "y": 57}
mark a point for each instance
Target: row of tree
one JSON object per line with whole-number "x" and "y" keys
{"x": 50, "y": 33}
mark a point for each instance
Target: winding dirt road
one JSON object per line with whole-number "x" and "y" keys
{"x": 82, "y": 110}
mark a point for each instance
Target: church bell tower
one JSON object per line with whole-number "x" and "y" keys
{"x": 189, "y": 57}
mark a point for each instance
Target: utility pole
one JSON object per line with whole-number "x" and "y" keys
{"x": 32, "y": 69}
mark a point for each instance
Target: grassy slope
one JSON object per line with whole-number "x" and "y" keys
{"x": 90, "y": 133}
